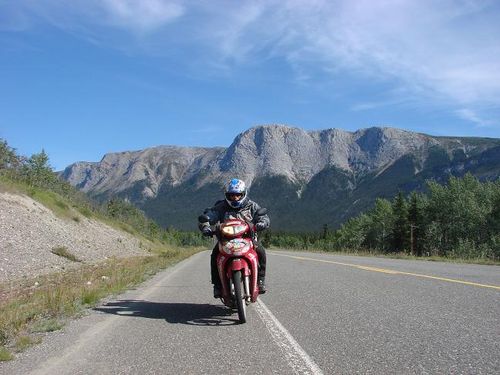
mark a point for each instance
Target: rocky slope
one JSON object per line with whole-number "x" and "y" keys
{"x": 303, "y": 176}
{"x": 29, "y": 232}
{"x": 156, "y": 166}
{"x": 262, "y": 151}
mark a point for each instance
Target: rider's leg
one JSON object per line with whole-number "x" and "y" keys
{"x": 261, "y": 252}
{"x": 215, "y": 273}
{"x": 213, "y": 267}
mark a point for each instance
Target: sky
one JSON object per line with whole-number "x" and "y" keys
{"x": 83, "y": 78}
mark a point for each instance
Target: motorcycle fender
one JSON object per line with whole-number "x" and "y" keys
{"x": 236, "y": 265}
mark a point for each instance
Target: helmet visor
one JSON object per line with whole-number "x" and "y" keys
{"x": 234, "y": 197}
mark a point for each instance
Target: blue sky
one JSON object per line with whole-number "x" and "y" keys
{"x": 86, "y": 77}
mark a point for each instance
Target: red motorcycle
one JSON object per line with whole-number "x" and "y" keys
{"x": 237, "y": 262}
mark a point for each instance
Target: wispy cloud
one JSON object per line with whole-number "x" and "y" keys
{"x": 208, "y": 129}
{"x": 143, "y": 16}
{"x": 446, "y": 48}
{"x": 365, "y": 106}
{"x": 473, "y": 117}
{"x": 445, "y": 51}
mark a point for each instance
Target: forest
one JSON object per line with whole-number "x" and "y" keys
{"x": 458, "y": 220}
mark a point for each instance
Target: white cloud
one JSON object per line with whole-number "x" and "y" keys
{"x": 143, "y": 15}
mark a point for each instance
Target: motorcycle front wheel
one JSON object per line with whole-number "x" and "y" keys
{"x": 239, "y": 296}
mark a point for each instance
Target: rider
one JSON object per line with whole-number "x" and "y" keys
{"x": 237, "y": 205}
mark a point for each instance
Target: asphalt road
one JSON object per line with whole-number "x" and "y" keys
{"x": 323, "y": 314}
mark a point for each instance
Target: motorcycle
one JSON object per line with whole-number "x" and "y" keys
{"x": 237, "y": 262}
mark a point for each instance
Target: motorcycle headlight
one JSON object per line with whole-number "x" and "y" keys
{"x": 228, "y": 231}
{"x": 233, "y": 230}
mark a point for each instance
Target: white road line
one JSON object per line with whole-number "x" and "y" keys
{"x": 298, "y": 359}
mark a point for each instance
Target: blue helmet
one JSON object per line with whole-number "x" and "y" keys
{"x": 236, "y": 193}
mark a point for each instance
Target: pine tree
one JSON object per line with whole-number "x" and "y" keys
{"x": 382, "y": 219}
{"x": 324, "y": 232}
{"x": 458, "y": 213}
{"x": 416, "y": 221}
{"x": 8, "y": 158}
{"x": 401, "y": 229}
{"x": 352, "y": 235}
{"x": 38, "y": 171}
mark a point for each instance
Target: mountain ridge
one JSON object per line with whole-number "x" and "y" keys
{"x": 295, "y": 159}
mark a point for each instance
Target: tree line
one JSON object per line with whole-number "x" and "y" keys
{"x": 458, "y": 220}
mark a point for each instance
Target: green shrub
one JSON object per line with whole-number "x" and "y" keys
{"x": 62, "y": 251}
{"x": 5, "y": 355}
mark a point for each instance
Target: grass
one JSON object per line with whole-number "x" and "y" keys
{"x": 7, "y": 186}
{"x": 5, "y": 354}
{"x": 26, "y": 310}
{"x": 62, "y": 251}
{"x": 24, "y": 342}
{"x": 47, "y": 325}
{"x": 85, "y": 211}
{"x": 52, "y": 201}
{"x": 125, "y": 227}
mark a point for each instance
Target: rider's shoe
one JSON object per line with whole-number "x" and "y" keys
{"x": 217, "y": 291}
{"x": 262, "y": 285}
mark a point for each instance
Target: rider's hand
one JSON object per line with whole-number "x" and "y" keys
{"x": 207, "y": 232}
{"x": 260, "y": 227}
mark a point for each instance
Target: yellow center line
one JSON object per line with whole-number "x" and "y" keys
{"x": 391, "y": 272}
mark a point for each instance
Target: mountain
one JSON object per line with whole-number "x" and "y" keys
{"x": 305, "y": 178}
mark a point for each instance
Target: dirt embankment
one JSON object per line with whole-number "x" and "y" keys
{"x": 29, "y": 232}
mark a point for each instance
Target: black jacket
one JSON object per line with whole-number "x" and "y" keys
{"x": 222, "y": 211}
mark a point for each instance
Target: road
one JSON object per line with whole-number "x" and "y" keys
{"x": 323, "y": 313}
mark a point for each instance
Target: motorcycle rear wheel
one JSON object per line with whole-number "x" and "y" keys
{"x": 239, "y": 296}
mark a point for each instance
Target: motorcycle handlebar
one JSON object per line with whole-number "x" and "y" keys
{"x": 217, "y": 232}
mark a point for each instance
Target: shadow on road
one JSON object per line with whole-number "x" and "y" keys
{"x": 184, "y": 313}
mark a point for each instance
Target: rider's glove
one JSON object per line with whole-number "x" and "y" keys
{"x": 207, "y": 232}
{"x": 260, "y": 226}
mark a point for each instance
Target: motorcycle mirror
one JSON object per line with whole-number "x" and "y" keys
{"x": 261, "y": 211}
{"x": 203, "y": 219}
